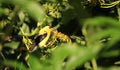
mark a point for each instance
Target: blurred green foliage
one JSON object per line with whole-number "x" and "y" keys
{"x": 92, "y": 25}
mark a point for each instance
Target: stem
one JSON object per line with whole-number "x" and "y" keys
{"x": 94, "y": 64}
{"x": 2, "y": 55}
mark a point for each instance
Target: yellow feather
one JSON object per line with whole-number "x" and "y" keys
{"x": 47, "y": 30}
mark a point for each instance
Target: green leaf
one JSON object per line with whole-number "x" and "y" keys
{"x": 12, "y": 44}
{"x": 25, "y": 30}
{"x": 109, "y": 68}
{"x": 97, "y": 28}
{"x": 15, "y": 64}
{"x": 1, "y": 10}
{"x": 76, "y": 56}
{"x": 34, "y": 63}
{"x": 112, "y": 53}
{"x": 21, "y": 16}
{"x": 31, "y": 6}
{"x": 118, "y": 10}
{"x": 117, "y": 62}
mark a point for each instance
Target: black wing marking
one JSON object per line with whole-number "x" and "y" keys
{"x": 36, "y": 41}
